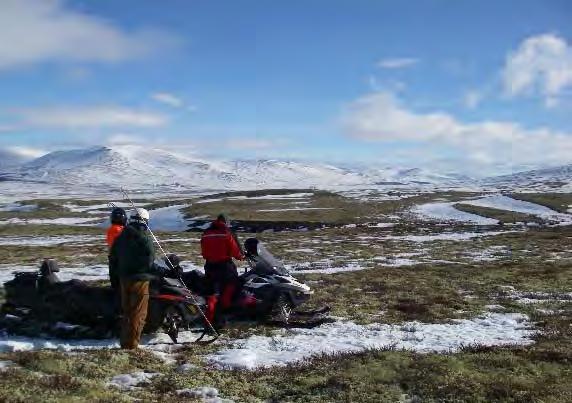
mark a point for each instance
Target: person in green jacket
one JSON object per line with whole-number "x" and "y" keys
{"x": 132, "y": 260}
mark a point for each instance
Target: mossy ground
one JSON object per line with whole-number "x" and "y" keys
{"x": 455, "y": 279}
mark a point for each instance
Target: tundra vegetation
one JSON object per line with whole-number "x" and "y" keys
{"x": 410, "y": 270}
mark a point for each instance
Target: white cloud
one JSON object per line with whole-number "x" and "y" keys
{"x": 473, "y": 98}
{"x": 551, "y": 102}
{"x": 61, "y": 117}
{"x": 541, "y": 64}
{"x": 123, "y": 138}
{"x": 26, "y": 152}
{"x": 37, "y": 31}
{"x": 13, "y": 155}
{"x": 168, "y": 99}
{"x": 252, "y": 144}
{"x": 7, "y": 128}
{"x": 397, "y": 63}
{"x": 381, "y": 117}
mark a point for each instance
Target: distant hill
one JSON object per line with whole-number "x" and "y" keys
{"x": 145, "y": 168}
{"x": 558, "y": 178}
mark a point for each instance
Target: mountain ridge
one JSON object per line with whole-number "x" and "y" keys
{"x": 142, "y": 167}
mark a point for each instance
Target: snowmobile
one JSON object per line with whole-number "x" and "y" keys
{"x": 39, "y": 302}
{"x": 267, "y": 290}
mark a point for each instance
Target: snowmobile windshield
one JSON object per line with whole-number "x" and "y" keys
{"x": 266, "y": 262}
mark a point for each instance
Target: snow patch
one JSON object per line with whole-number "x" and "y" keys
{"x": 445, "y": 212}
{"x": 273, "y": 197}
{"x": 18, "y": 208}
{"x": 48, "y": 240}
{"x": 526, "y": 298}
{"x": 490, "y": 254}
{"x": 168, "y": 218}
{"x": 51, "y": 221}
{"x": 446, "y": 236}
{"x": 92, "y": 208}
{"x": 331, "y": 270}
{"x": 297, "y": 209}
{"x": 156, "y": 343}
{"x": 295, "y": 345}
{"x": 187, "y": 367}
{"x": 87, "y": 273}
{"x": 131, "y": 381}
{"x": 4, "y": 365}
{"x": 381, "y": 225}
{"x": 502, "y": 202}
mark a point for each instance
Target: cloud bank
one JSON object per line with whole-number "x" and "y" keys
{"x": 70, "y": 117}
{"x": 381, "y": 117}
{"x": 397, "y": 63}
{"x": 39, "y": 31}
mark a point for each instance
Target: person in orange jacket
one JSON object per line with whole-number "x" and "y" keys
{"x": 118, "y": 221}
{"x": 218, "y": 247}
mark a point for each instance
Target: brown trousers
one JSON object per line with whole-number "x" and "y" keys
{"x": 134, "y": 303}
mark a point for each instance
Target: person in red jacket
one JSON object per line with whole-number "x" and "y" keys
{"x": 118, "y": 221}
{"x": 218, "y": 247}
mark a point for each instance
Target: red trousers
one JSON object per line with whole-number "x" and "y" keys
{"x": 223, "y": 284}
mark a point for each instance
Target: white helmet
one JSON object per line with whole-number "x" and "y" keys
{"x": 139, "y": 215}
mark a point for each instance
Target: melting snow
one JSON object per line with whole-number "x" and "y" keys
{"x": 489, "y": 254}
{"x": 382, "y": 225}
{"x": 92, "y": 207}
{"x": 48, "y": 240}
{"x": 4, "y": 365}
{"x": 331, "y": 270}
{"x": 294, "y": 345}
{"x": 168, "y": 219}
{"x": 204, "y": 393}
{"x": 273, "y": 197}
{"x": 446, "y": 212}
{"x": 96, "y": 272}
{"x": 526, "y": 298}
{"x": 131, "y": 381}
{"x": 187, "y": 367}
{"x": 298, "y": 209}
{"x": 446, "y": 236}
{"x": 52, "y": 221}
{"x": 502, "y": 202}
{"x": 17, "y": 207}
{"x": 159, "y": 343}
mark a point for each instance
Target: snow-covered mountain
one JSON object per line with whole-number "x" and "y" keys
{"x": 558, "y": 178}
{"x": 145, "y": 168}
{"x": 414, "y": 176}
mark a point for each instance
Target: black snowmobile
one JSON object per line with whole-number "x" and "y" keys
{"x": 39, "y": 302}
{"x": 267, "y": 290}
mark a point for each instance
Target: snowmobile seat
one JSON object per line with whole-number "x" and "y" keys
{"x": 171, "y": 282}
{"x": 22, "y": 289}
{"x": 45, "y": 282}
{"x": 161, "y": 285}
{"x": 196, "y": 281}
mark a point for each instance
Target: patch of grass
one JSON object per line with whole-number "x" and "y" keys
{"x": 322, "y": 207}
{"x": 535, "y": 260}
{"x": 504, "y": 216}
{"x": 556, "y": 201}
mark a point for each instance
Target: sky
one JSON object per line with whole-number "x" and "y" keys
{"x": 475, "y": 87}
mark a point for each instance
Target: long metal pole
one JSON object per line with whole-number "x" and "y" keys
{"x": 168, "y": 261}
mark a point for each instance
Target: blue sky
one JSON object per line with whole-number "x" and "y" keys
{"x": 468, "y": 86}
